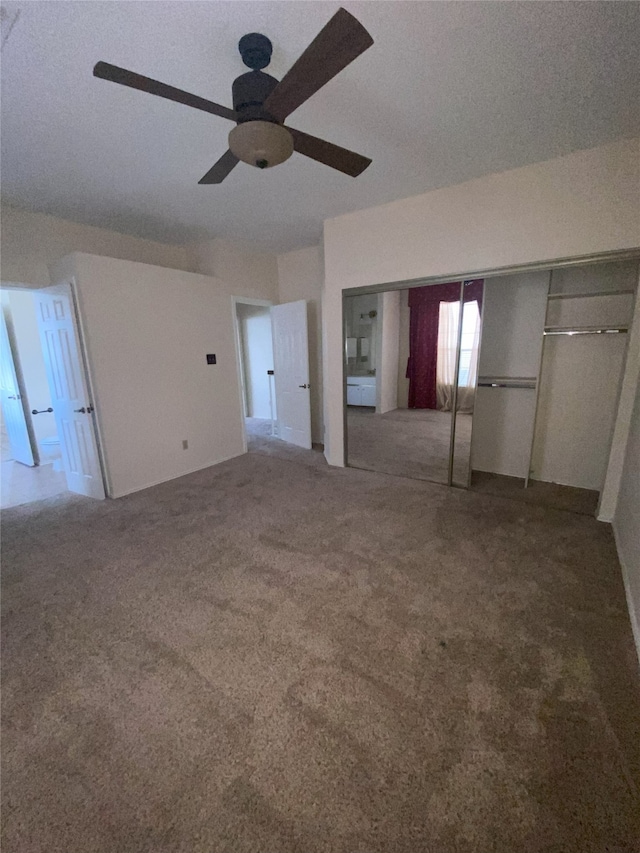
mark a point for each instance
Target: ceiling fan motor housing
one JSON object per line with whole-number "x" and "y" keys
{"x": 250, "y": 91}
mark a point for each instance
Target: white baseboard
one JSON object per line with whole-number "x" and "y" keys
{"x": 633, "y": 612}
{"x": 117, "y": 495}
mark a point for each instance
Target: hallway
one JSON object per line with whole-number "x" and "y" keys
{"x": 20, "y": 484}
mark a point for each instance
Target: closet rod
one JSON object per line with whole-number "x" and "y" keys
{"x": 594, "y": 293}
{"x": 585, "y": 330}
{"x": 491, "y": 378}
{"x": 529, "y": 385}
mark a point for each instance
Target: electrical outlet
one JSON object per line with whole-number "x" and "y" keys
{"x": 185, "y": 444}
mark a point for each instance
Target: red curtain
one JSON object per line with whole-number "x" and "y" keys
{"x": 424, "y": 303}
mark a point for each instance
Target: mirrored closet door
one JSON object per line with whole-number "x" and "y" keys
{"x": 468, "y": 352}
{"x": 411, "y": 366}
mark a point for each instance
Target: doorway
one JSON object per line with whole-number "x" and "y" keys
{"x": 255, "y": 350}
{"x": 273, "y": 366}
{"x": 49, "y": 445}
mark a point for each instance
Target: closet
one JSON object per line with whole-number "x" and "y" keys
{"x": 508, "y": 385}
{"x": 551, "y": 363}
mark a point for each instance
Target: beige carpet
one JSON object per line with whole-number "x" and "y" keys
{"x": 584, "y": 501}
{"x": 409, "y": 443}
{"x": 271, "y": 655}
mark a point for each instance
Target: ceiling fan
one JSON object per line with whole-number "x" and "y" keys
{"x": 261, "y": 103}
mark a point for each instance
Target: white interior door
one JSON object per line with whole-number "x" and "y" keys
{"x": 291, "y": 366}
{"x": 72, "y": 407}
{"x": 12, "y": 404}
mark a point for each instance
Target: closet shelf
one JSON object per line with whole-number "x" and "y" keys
{"x": 585, "y": 330}
{"x": 593, "y": 293}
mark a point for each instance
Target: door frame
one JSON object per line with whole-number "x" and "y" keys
{"x": 21, "y": 390}
{"x": 84, "y": 364}
{"x": 242, "y": 387}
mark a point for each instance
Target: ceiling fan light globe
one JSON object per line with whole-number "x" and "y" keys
{"x": 261, "y": 143}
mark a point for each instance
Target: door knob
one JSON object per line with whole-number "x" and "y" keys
{"x": 304, "y": 386}
{"x": 82, "y": 410}
{"x": 13, "y": 397}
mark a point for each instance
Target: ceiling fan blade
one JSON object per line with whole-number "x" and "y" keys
{"x": 331, "y": 155}
{"x": 136, "y": 81}
{"x": 341, "y": 41}
{"x": 221, "y": 169}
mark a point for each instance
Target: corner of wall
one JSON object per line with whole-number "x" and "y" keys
{"x": 630, "y": 381}
{"x": 32, "y": 242}
{"x": 633, "y": 605}
{"x": 247, "y": 271}
{"x": 626, "y": 521}
{"x": 63, "y": 268}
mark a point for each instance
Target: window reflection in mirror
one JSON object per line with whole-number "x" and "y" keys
{"x": 467, "y": 381}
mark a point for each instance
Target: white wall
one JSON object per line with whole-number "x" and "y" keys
{"x": 257, "y": 355}
{"x": 626, "y": 522}
{"x": 579, "y": 388}
{"x": 33, "y": 241}
{"x": 300, "y": 276}
{"x": 21, "y": 319}
{"x": 572, "y": 206}
{"x": 513, "y": 315}
{"x": 148, "y": 330}
{"x": 247, "y": 270}
{"x": 389, "y": 344}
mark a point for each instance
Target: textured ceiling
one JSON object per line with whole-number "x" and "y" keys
{"x": 449, "y": 91}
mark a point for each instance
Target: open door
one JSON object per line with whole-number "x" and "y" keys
{"x": 12, "y": 403}
{"x": 291, "y": 366}
{"x": 71, "y": 403}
